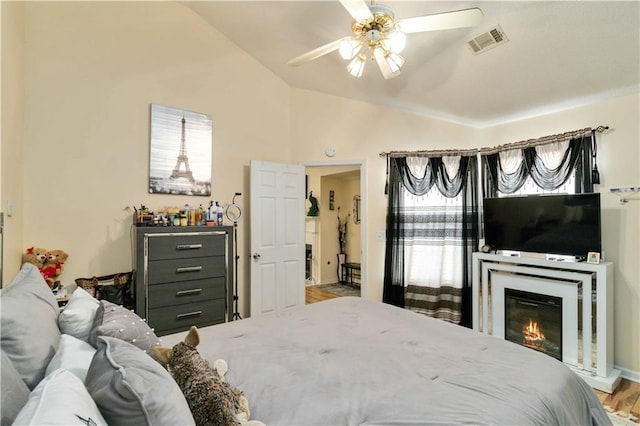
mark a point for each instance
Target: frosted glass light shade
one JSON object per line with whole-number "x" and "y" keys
{"x": 395, "y": 61}
{"x": 349, "y": 48}
{"x": 396, "y": 41}
{"x": 356, "y": 66}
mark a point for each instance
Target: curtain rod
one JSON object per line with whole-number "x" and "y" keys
{"x": 468, "y": 152}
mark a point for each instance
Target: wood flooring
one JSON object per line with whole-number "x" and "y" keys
{"x": 626, "y": 398}
{"x": 313, "y": 295}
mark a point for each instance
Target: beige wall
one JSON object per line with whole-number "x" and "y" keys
{"x": 92, "y": 69}
{"x": 12, "y": 105}
{"x": 360, "y": 132}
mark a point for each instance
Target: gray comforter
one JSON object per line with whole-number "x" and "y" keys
{"x": 350, "y": 361}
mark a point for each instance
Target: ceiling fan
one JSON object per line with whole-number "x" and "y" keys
{"x": 379, "y": 36}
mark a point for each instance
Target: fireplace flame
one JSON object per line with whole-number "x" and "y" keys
{"x": 533, "y": 335}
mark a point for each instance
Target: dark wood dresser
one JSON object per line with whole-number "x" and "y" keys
{"x": 183, "y": 276}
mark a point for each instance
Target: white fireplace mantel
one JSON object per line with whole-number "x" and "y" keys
{"x": 587, "y": 337}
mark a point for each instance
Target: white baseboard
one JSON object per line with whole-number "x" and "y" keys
{"x": 634, "y": 376}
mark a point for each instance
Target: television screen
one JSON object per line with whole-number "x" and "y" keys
{"x": 552, "y": 224}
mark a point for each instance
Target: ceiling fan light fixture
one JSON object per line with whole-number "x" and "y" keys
{"x": 394, "y": 61}
{"x": 387, "y": 71}
{"x": 376, "y": 34}
{"x": 356, "y": 66}
{"x": 349, "y": 48}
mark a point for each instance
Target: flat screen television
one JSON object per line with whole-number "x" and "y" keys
{"x": 560, "y": 224}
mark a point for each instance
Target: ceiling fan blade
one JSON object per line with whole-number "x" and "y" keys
{"x": 358, "y": 9}
{"x": 442, "y": 21}
{"x": 315, "y": 53}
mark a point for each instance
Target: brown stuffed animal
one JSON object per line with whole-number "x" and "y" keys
{"x": 37, "y": 256}
{"x": 53, "y": 266}
{"x": 212, "y": 400}
{"x": 56, "y": 258}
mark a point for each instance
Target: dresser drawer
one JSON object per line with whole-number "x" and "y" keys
{"x": 185, "y": 246}
{"x": 186, "y": 292}
{"x": 171, "y": 319}
{"x": 195, "y": 268}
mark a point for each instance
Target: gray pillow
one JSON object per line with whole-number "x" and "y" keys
{"x": 117, "y": 321}
{"x": 30, "y": 334}
{"x": 130, "y": 388}
{"x": 14, "y": 392}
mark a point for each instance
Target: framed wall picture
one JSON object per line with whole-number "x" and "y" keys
{"x": 593, "y": 257}
{"x": 180, "y": 153}
{"x": 356, "y": 209}
{"x": 332, "y": 200}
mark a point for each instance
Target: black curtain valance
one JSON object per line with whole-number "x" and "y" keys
{"x": 577, "y": 157}
{"x": 435, "y": 173}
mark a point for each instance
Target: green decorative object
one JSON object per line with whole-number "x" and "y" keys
{"x": 314, "y": 210}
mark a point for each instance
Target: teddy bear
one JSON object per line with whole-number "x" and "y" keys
{"x": 53, "y": 266}
{"x": 36, "y": 256}
{"x": 49, "y": 262}
{"x": 212, "y": 400}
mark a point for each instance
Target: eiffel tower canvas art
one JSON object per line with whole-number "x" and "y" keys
{"x": 180, "y": 155}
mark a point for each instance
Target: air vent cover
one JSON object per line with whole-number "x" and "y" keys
{"x": 492, "y": 38}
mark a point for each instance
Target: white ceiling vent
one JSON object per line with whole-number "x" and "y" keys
{"x": 492, "y": 38}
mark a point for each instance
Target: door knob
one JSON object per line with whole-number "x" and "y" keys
{"x": 256, "y": 256}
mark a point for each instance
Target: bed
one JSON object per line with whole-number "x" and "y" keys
{"x": 351, "y": 361}
{"x": 345, "y": 361}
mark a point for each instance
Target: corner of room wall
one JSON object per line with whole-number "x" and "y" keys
{"x": 12, "y": 136}
{"x": 618, "y": 156}
{"x": 357, "y": 132}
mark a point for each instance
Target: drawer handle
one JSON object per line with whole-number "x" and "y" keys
{"x": 189, "y": 269}
{"x": 189, "y": 314}
{"x": 188, "y": 246}
{"x": 189, "y": 292}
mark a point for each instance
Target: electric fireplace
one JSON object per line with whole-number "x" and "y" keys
{"x": 534, "y": 320}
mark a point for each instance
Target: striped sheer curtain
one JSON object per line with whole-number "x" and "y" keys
{"x": 433, "y": 250}
{"x": 431, "y": 233}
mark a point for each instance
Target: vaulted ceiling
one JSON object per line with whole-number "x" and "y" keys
{"x": 559, "y": 54}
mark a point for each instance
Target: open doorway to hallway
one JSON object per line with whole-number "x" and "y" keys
{"x": 334, "y": 236}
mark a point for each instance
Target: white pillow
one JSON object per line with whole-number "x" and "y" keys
{"x": 74, "y": 355}
{"x": 77, "y": 316}
{"x": 59, "y": 399}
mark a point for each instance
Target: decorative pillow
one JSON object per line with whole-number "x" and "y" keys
{"x": 73, "y": 355}
{"x": 116, "y": 321}
{"x": 29, "y": 332}
{"x": 130, "y": 388}
{"x": 77, "y": 316}
{"x": 14, "y": 392}
{"x": 60, "y": 399}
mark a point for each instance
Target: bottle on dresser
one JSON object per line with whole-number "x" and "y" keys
{"x": 219, "y": 215}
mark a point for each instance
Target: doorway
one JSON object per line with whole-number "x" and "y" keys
{"x": 331, "y": 261}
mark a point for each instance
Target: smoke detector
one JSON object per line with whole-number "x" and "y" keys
{"x": 492, "y": 38}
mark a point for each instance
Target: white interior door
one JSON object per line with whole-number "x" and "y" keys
{"x": 277, "y": 237}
